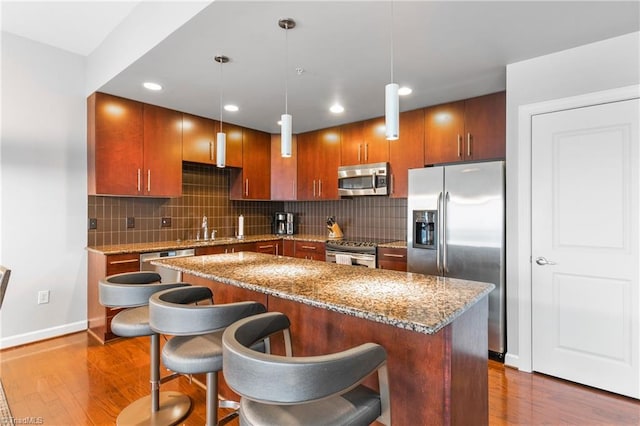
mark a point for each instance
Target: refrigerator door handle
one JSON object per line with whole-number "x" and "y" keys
{"x": 445, "y": 207}
{"x": 439, "y": 219}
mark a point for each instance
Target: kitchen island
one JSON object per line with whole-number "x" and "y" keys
{"x": 434, "y": 329}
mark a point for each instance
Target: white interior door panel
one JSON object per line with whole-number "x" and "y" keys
{"x": 585, "y": 245}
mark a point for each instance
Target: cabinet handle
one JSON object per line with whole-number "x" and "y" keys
{"x": 459, "y": 146}
{"x": 393, "y": 255}
{"x": 359, "y": 149}
{"x": 149, "y": 180}
{"x": 314, "y": 188}
{"x": 265, "y": 247}
{"x": 319, "y": 187}
{"x": 138, "y": 180}
{"x": 277, "y": 247}
{"x": 246, "y": 187}
{"x": 366, "y": 152}
{"x": 119, "y": 262}
{"x": 469, "y": 139}
{"x": 293, "y": 186}
{"x": 211, "y": 151}
{"x": 309, "y": 247}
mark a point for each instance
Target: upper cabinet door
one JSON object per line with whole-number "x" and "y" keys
{"x": 115, "y": 145}
{"x": 376, "y": 146}
{"x": 468, "y": 130}
{"x": 328, "y": 162}
{"x": 162, "y": 174}
{"x": 234, "y": 144}
{"x": 308, "y": 162}
{"x": 444, "y": 133}
{"x": 407, "y": 152}
{"x": 253, "y": 181}
{"x": 485, "y": 123}
{"x": 283, "y": 171}
{"x": 198, "y": 139}
{"x": 352, "y": 144}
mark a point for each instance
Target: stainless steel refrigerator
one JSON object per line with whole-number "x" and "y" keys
{"x": 456, "y": 223}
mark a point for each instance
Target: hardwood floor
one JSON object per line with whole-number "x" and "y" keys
{"x": 73, "y": 380}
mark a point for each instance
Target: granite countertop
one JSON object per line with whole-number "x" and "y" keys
{"x": 184, "y": 244}
{"x": 417, "y": 302}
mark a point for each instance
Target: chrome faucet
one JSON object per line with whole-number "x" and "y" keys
{"x": 205, "y": 228}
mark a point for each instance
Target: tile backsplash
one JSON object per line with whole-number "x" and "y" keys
{"x": 206, "y": 192}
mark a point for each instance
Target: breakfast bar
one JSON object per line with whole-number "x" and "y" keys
{"x": 434, "y": 329}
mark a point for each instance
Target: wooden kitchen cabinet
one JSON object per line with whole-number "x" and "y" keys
{"x": 394, "y": 258}
{"x": 376, "y": 146}
{"x": 225, "y": 248}
{"x": 253, "y": 181}
{"x": 467, "y": 130}
{"x": 134, "y": 149}
{"x": 162, "y": 175}
{"x": 407, "y": 152}
{"x": 283, "y": 171}
{"x": 288, "y": 248}
{"x": 318, "y": 162}
{"x": 269, "y": 247}
{"x": 309, "y": 250}
{"x": 364, "y": 142}
{"x": 198, "y": 139}
{"x": 100, "y": 266}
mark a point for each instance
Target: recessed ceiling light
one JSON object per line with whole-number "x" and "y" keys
{"x": 231, "y": 108}
{"x": 404, "y": 90}
{"x": 336, "y": 108}
{"x": 152, "y": 86}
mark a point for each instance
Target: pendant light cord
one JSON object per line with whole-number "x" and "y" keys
{"x": 221, "y": 86}
{"x": 391, "y": 42}
{"x": 286, "y": 65}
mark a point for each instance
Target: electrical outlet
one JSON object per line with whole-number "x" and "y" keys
{"x": 43, "y": 297}
{"x": 93, "y": 223}
{"x": 165, "y": 222}
{"x": 131, "y": 222}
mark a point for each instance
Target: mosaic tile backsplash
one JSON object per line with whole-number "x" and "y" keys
{"x": 206, "y": 193}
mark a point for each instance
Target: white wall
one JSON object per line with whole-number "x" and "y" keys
{"x": 43, "y": 227}
{"x": 595, "y": 67}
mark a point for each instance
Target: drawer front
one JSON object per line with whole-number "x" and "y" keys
{"x": 310, "y": 250}
{"x": 392, "y": 258}
{"x": 119, "y": 263}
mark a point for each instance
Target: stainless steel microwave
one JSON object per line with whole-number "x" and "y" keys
{"x": 363, "y": 179}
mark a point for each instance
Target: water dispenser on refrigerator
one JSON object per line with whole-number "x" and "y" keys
{"x": 425, "y": 226}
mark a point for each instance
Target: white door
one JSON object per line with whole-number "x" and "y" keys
{"x": 585, "y": 256}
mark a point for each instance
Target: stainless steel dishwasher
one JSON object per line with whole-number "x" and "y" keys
{"x": 168, "y": 275}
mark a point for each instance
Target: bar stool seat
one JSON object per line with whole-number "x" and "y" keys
{"x": 196, "y": 347}
{"x": 302, "y": 391}
{"x": 131, "y": 291}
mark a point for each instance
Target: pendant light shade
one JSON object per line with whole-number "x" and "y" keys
{"x": 286, "y": 126}
{"x": 221, "y": 149}
{"x": 392, "y": 112}
{"x": 285, "y": 136}
{"x": 221, "y": 138}
{"x": 391, "y": 99}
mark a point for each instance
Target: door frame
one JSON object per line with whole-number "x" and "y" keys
{"x": 523, "y": 360}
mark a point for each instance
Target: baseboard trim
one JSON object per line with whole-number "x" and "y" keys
{"x": 47, "y": 333}
{"x": 511, "y": 360}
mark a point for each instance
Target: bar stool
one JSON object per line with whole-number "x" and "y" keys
{"x": 309, "y": 391}
{"x": 196, "y": 347}
{"x": 131, "y": 290}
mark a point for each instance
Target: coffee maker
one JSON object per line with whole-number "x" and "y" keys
{"x": 283, "y": 223}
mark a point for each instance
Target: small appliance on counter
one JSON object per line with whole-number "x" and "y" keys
{"x": 283, "y": 223}
{"x": 334, "y": 228}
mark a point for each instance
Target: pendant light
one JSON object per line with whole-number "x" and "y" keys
{"x": 392, "y": 100}
{"x": 286, "y": 119}
{"x": 221, "y": 138}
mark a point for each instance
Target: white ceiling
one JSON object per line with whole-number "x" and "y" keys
{"x": 443, "y": 50}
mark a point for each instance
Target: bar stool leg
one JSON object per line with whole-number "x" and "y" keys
{"x": 157, "y": 408}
